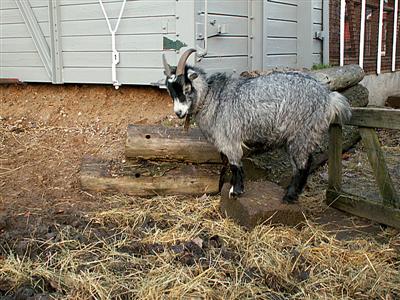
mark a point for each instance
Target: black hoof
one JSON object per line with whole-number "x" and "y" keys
{"x": 233, "y": 193}
{"x": 290, "y": 199}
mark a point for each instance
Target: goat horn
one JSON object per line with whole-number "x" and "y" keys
{"x": 167, "y": 67}
{"x": 180, "y": 69}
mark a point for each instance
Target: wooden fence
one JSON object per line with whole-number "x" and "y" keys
{"x": 386, "y": 211}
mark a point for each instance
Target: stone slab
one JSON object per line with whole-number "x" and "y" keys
{"x": 261, "y": 203}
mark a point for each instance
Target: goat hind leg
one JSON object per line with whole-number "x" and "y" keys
{"x": 298, "y": 181}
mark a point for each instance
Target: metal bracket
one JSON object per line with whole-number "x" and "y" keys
{"x": 320, "y": 35}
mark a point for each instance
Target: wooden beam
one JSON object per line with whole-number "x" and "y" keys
{"x": 375, "y": 118}
{"x": 163, "y": 143}
{"x": 335, "y": 157}
{"x": 381, "y": 173}
{"x": 147, "y": 179}
{"x": 364, "y": 208}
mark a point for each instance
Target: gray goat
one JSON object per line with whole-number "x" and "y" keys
{"x": 279, "y": 109}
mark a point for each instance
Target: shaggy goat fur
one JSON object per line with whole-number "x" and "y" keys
{"x": 279, "y": 109}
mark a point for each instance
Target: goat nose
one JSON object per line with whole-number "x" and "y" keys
{"x": 179, "y": 113}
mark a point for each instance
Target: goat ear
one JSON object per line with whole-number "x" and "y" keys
{"x": 192, "y": 74}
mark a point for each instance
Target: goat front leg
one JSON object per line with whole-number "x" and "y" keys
{"x": 233, "y": 152}
{"x": 224, "y": 169}
{"x": 236, "y": 181}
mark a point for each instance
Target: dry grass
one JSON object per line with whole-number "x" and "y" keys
{"x": 183, "y": 248}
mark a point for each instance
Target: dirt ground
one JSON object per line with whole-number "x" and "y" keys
{"x": 44, "y": 132}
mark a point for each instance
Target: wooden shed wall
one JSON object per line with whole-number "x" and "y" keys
{"x": 86, "y": 42}
{"x": 283, "y": 31}
{"x": 228, "y": 51}
{"x": 18, "y": 55}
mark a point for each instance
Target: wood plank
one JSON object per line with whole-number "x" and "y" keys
{"x": 163, "y": 143}
{"x": 335, "y": 157}
{"x": 146, "y": 179}
{"x": 377, "y": 161}
{"x": 364, "y": 208}
{"x": 375, "y": 118}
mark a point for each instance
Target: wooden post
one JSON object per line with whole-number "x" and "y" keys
{"x": 335, "y": 158}
{"x": 381, "y": 173}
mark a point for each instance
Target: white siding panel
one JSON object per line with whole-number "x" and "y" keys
{"x": 103, "y": 43}
{"x": 83, "y": 2}
{"x": 13, "y": 16}
{"x": 281, "y": 29}
{"x": 317, "y": 16}
{"x": 132, "y": 9}
{"x": 127, "y": 59}
{"x": 103, "y": 75}
{"x": 281, "y": 46}
{"x": 226, "y": 7}
{"x": 8, "y": 4}
{"x": 224, "y": 46}
{"x": 280, "y": 11}
{"x": 20, "y": 30}
{"x": 127, "y": 26}
{"x": 28, "y": 59}
{"x": 27, "y": 74}
{"x": 17, "y": 45}
{"x": 289, "y": 2}
{"x": 317, "y": 59}
{"x": 238, "y": 63}
{"x": 317, "y": 4}
{"x": 235, "y": 25}
{"x": 281, "y": 61}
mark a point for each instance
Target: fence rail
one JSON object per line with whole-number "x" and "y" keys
{"x": 367, "y": 119}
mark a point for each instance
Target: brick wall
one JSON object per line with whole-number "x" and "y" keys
{"x": 352, "y": 34}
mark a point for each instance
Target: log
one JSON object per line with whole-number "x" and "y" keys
{"x": 340, "y": 78}
{"x": 147, "y": 179}
{"x": 260, "y": 204}
{"x": 169, "y": 144}
{"x": 337, "y": 78}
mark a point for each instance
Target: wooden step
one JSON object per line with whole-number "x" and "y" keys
{"x": 142, "y": 178}
{"x": 155, "y": 142}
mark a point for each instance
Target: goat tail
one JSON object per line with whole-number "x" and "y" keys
{"x": 339, "y": 108}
